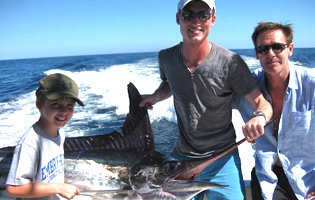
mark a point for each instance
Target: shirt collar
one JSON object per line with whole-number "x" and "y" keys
{"x": 293, "y": 82}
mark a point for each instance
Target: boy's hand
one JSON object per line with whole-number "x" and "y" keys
{"x": 68, "y": 191}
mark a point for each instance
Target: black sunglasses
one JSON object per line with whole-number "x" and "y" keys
{"x": 189, "y": 15}
{"x": 276, "y": 47}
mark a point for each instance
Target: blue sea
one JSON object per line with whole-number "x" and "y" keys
{"x": 102, "y": 81}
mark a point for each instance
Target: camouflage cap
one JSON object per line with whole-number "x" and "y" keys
{"x": 57, "y": 86}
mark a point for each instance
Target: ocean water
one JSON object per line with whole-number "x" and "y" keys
{"x": 102, "y": 81}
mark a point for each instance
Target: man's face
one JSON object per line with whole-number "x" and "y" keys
{"x": 273, "y": 62}
{"x": 195, "y": 30}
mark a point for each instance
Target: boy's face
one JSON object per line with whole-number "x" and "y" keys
{"x": 56, "y": 113}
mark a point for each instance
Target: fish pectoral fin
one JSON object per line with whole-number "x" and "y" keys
{"x": 188, "y": 189}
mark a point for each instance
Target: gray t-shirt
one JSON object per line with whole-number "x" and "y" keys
{"x": 38, "y": 158}
{"x": 203, "y": 98}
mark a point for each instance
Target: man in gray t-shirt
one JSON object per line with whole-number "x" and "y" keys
{"x": 202, "y": 78}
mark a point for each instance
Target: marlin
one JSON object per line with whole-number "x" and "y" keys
{"x": 127, "y": 161}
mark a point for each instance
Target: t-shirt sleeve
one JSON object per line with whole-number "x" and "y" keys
{"x": 240, "y": 77}
{"x": 162, "y": 73}
{"x": 23, "y": 166}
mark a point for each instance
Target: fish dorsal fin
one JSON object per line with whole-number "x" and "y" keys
{"x": 136, "y": 131}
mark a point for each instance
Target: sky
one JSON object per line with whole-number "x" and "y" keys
{"x": 53, "y": 28}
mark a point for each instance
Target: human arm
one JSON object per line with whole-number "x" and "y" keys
{"x": 34, "y": 190}
{"x": 163, "y": 92}
{"x": 254, "y": 128}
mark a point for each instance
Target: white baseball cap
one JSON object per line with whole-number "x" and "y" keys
{"x": 183, "y": 3}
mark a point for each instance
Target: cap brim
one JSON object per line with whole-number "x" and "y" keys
{"x": 54, "y": 95}
{"x": 79, "y": 102}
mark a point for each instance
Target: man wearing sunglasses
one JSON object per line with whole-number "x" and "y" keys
{"x": 202, "y": 77}
{"x": 284, "y": 164}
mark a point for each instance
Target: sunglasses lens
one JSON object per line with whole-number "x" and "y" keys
{"x": 188, "y": 15}
{"x": 204, "y": 15}
{"x": 278, "y": 48}
{"x": 263, "y": 49}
